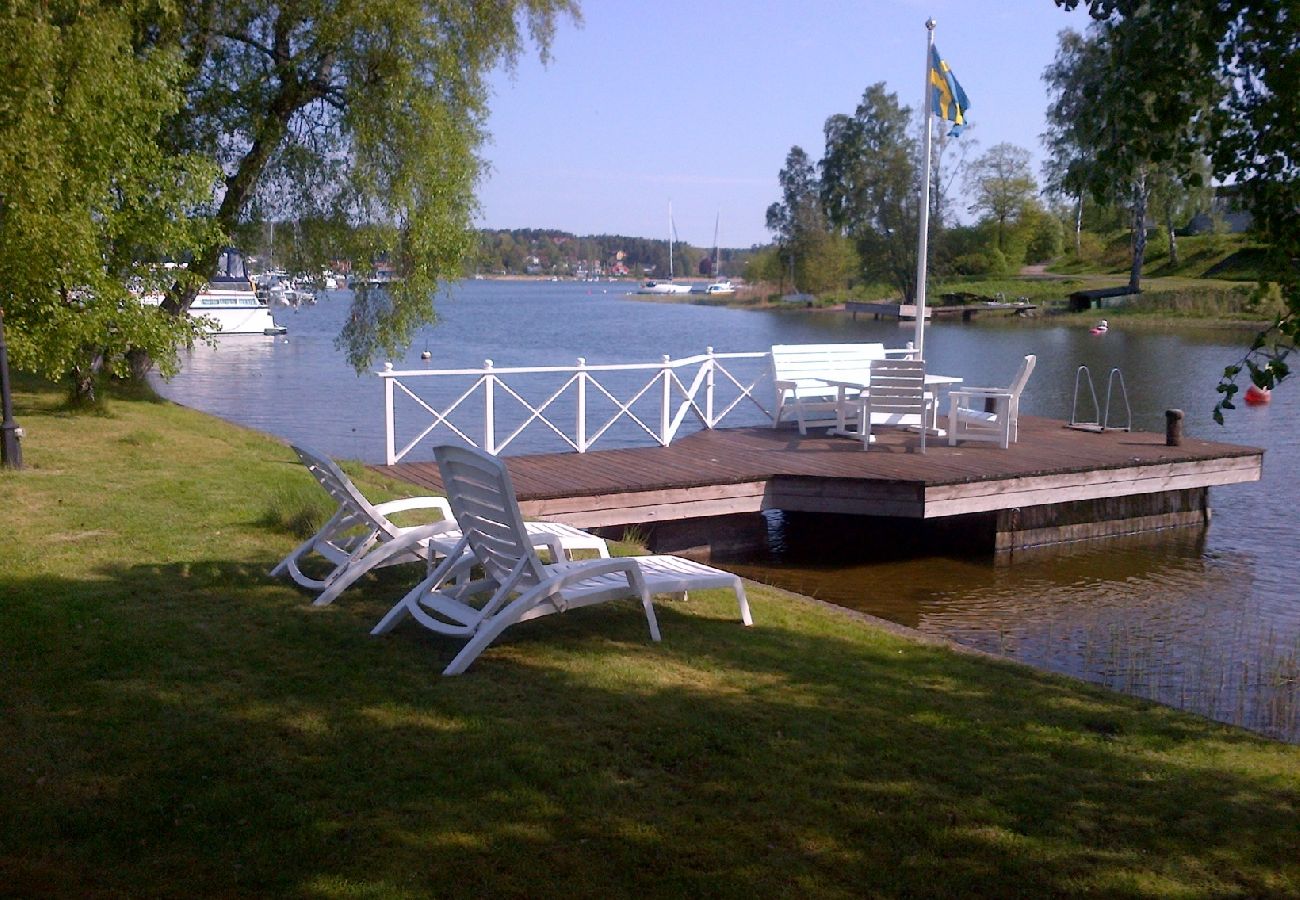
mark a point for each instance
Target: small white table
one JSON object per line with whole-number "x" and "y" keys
{"x": 862, "y": 386}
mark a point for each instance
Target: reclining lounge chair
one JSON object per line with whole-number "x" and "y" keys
{"x": 515, "y": 584}
{"x": 360, "y": 536}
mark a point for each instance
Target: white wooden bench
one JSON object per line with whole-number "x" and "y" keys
{"x": 801, "y": 373}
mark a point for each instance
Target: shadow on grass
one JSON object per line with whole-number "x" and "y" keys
{"x": 199, "y": 729}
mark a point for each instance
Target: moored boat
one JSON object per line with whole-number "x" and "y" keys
{"x": 277, "y": 288}
{"x": 230, "y": 302}
{"x": 722, "y": 287}
{"x": 663, "y": 287}
{"x": 655, "y": 286}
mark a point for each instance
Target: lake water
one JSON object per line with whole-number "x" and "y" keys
{"x": 1208, "y": 620}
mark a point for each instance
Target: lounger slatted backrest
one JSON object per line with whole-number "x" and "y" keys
{"x": 483, "y": 501}
{"x": 344, "y": 492}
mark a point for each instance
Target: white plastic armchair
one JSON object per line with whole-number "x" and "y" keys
{"x": 361, "y": 537}
{"x": 515, "y": 585}
{"x": 988, "y": 414}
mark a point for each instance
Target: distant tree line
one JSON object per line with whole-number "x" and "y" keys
{"x": 552, "y": 252}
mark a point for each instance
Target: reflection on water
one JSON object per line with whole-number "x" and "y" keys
{"x": 1204, "y": 619}
{"x": 1154, "y": 615}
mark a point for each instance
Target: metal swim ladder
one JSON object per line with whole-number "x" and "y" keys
{"x": 1101, "y": 415}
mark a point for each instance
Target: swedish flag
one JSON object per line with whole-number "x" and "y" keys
{"x": 948, "y": 99}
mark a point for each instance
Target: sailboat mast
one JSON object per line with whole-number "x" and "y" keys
{"x": 716, "y": 258}
{"x": 670, "y": 240}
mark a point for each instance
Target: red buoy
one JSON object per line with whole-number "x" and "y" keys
{"x": 1257, "y": 395}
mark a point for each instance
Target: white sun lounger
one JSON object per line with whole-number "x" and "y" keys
{"x": 361, "y": 537}
{"x": 515, "y": 584}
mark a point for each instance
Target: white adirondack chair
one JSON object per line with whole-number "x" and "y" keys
{"x": 360, "y": 536}
{"x": 896, "y": 396}
{"x": 515, "y": 584}
{"x": 988, "y": 414}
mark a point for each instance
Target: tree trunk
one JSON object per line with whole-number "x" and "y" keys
{"x": 1173, "y": 238}
{"x": 84, "y": 381}
{"x": 138, "y": 365}
{"x": 1140, "y": 196}
{"x": 1078, "y": 226}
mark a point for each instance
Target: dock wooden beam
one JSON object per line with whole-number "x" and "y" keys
{"x": 1056, "y": 483}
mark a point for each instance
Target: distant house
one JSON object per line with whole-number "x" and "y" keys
{"x": 1224, "y": 208}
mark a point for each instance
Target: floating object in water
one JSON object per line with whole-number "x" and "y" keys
{"x": 1256, "y": 395}
{"x": 426, "y": 355}
{"x": 1100, "y": 328}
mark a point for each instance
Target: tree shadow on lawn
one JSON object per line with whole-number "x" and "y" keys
{"x": 196, "y": 728}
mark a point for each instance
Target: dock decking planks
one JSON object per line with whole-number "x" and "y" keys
{"x": 763, "y": 468}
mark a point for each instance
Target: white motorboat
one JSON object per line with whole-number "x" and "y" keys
{"x": 277, "y": 288}
{"x": 722, "y": 288}
{"x": 663, "y": 287}
{"x": 380, "y": 279}
{"x": 230, "y": 302}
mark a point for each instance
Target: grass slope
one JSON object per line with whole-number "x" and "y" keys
{"x": 174, "y": 722}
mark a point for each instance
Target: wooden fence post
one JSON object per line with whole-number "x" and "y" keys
{"x": 489, "y": 412}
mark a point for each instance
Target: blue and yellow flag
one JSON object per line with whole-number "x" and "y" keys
{"x": 948, "y": 99}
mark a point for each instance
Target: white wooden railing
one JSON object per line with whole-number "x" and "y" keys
{"x": 706, "y": 388}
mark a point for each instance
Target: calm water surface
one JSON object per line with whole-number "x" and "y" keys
{"x": 1207, "y": 620}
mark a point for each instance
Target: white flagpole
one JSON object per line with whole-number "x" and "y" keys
{"x": 924, "y": 224}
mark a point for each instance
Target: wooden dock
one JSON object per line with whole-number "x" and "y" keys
{"x": 1056, "y": 484}
{"x": 966, "y": 311}
{"x": 1081, "y": 301}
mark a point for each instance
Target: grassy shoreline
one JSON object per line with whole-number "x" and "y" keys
{"x": 176, "y": 722}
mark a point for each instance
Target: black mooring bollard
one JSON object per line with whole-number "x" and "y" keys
{"x": 1173, "y": 427}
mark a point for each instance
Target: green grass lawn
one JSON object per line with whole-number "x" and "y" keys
{"x": 173, "y": 722}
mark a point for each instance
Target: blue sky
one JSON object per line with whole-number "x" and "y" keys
{"x": 698, "y": 103}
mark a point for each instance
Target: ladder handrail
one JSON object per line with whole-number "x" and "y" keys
{"x": 1084, "y": 372}
{"x": 1102, "y": 413}
{"x": 1123, "y": 391}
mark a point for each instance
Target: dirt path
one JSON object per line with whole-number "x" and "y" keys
{"x": 1039, "y": 271}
